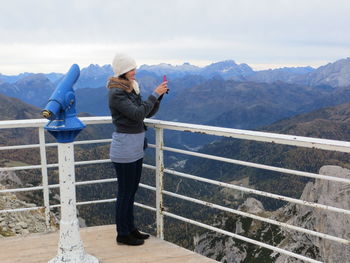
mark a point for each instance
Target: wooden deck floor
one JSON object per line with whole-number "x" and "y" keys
{"x": 98, "y": 241}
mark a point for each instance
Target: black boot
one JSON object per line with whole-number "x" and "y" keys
{"x": 136, "y": 233}
{"x": 129, "y": 240}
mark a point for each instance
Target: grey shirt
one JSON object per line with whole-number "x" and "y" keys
{"x": 126, "y": 147}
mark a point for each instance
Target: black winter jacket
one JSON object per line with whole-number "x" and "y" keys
{"x": 127, "y": 108}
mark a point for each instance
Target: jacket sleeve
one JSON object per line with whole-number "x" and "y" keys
{"x": 154, "y": 109}
{"x": 119, "y": 101}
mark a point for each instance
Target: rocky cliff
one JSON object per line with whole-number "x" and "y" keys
{"x": 335, "y": 224}
{"x": 21, "y": 223}
{"x": 325, "y": 192}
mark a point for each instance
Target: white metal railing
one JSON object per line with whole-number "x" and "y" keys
{"x": 160, "y": 126}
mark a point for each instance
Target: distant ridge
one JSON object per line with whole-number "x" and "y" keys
{"x": 225, "y": 69}
{"x": 327, "y": 123}
{"x": 33, "y": 88}
{"x": 15, "y": 109}
{"x": 335, "y": 74}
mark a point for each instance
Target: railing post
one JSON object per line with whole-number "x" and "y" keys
{"x": 159, "y": 182}
{"x": 70, "y": 245}
{"x": 45, "y": 180}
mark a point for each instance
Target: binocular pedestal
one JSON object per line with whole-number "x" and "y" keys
{"x": 70, "y": 247}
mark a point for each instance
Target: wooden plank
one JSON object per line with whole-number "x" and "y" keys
{"x": 98, "y": 241}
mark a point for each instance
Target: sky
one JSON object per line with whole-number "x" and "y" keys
{"x": 43, "y": 36}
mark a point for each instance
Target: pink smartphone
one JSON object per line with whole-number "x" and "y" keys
{"x": 165, "y": 79}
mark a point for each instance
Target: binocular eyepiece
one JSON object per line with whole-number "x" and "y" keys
{"x": 46, "y": 114}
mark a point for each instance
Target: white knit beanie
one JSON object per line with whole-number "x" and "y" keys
{"x": 122, "y": 64}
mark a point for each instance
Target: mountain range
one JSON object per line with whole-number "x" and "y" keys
{"x": 334, "y": 74}
{"x": 221, "y": 94}
{"x": 331, "y": 123}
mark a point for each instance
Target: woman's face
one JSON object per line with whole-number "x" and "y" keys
{"x": 130, "y": 75}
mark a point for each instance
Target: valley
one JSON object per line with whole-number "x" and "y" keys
{"x": 286, "y": 101}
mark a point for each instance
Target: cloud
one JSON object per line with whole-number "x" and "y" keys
{"x": 250, "y": 31}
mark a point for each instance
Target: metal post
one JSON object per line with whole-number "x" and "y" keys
{"x": 45, "y": 180}
{"x": 159, "y": 182}
{"x": 70, "y": 245}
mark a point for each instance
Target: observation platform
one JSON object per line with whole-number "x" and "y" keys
{"x": 98, "y": 241}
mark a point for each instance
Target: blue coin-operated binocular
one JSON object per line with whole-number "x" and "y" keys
{"x": 60, "y": 110}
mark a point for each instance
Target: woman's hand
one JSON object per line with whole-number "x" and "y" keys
{"x": 162, "y": 88}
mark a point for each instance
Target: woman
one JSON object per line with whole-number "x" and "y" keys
{"x": 126, "y": 152}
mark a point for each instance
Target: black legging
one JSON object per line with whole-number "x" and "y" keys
{"x": 129, "y": 175}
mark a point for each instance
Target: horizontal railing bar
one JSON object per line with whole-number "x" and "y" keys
{"x": 93, "y": 162}
{"x": 113, "y": 200}
{"x": 145, "y": 206}
{"x": 32, "y": 123}
{"x": 77, "y": 183}
{"x": 78, "y": 203}
{"x": 249, "y": 240}
{"x": 260, "y": 166}
{"x": 88, "y": 202}
{"x": 93, "y": 141}
{"x": 32, "y": 167}
{"x": 111, "y": 180}
{"x": 97, "y": 201}
{"x": 24, "y": 189}
{"x": 26, "y": 146}
{"x": 105, "y": 201}
{"x": 29, "y": 167}
{"x": 324, "y": 144}
{"x": 108, "y": 180}
{"x": 148, "y": 166}
{"x": 151, "y": 145}
{"x": 153, "y": 188}
{"x": 51, "y": 186}
{"x": 37, "y": 123}
{"x": 261, "y": 193}
{"x": 96, "y": 120}
{"x": 14, "y": 210}
{"x": 30, "y": 146}
{"x": 17, "y": 168}
{"x": 267, "y": 220}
